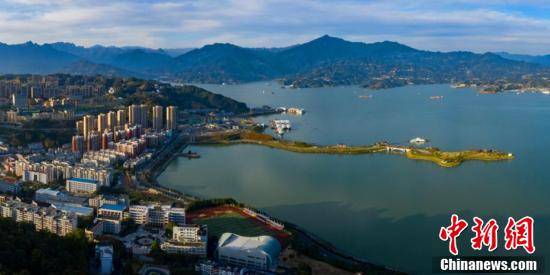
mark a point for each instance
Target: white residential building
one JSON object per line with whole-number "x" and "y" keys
{"x": 188, "y": 239}
{"x": 44, "y": 218}
{"x": 81, "y": 186}
{"x": 157, "y": 215}
{"x": 112, "y": 215}
{"x": 139, "y": 214}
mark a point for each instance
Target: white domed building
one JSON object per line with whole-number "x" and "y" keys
{"x": 261, "y": 253}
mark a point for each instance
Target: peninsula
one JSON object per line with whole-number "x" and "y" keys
{"x": 435, "y": 155}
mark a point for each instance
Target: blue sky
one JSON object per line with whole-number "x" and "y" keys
{"x": 490, "y": 25}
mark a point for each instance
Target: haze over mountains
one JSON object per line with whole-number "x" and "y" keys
{"x": 324, "y": 61}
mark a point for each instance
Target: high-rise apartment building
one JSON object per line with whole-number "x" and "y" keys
{"x": 93, "y": 141}
{"x": 111, "y": 120}
{"x": 158, "y": 117}
{"x": 87, "y": 125}
{"x": 171, "y": 117}
{"x": 121, "y": 117}
{"x": 101, "y": 123}
{"x": 77, "y": 144}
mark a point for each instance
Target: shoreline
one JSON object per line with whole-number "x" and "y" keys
{"x": 150, "y": 175}
{"x": 331, "y": 255}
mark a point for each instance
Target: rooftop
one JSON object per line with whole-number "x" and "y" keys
{"x": 266, "y": 244}
{"x": 113, "y": 207}
{"x": 48, "y": 191}
{"x": 74, "y": 208}
{"x": 82, "y": 180}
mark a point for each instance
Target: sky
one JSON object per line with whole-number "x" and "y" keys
{"x": 516, "y": 26}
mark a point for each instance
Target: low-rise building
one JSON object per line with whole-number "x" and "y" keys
{"x": 102, "y": 199}
{"x": 104, "y": 253}
{"x": 77, "y": 209}
{"x": 214, "y": 268}
{"x": 188, "y": 239}
{"x": 157, "y": 215}
{"x": 81, "y": 186}
{"x": 50, "y": 171}
{"x": 44, "y": 218}
{"x": 48, "y": 195}
{"x": 104, "y": 157}
{"x": 35, "y": 176}
{"x": 112, "y": 216}
{"x": 9, "y": 186}
{"x": 139, "y": 214}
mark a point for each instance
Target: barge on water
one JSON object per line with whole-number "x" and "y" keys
{"x": 190, "y": 155}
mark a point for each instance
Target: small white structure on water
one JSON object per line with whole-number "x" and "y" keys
{"x": 418, "y": 140}
{"x": 281, "y": 125}
{"x": 295, "y": 111}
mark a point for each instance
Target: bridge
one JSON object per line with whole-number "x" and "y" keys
{"x": 397, "y": 149}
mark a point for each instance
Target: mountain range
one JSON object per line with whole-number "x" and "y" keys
{"x": 324, "y": 61}
{"x": 539, "y": 59}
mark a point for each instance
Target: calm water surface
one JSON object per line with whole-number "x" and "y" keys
{"x": 385, "y": 208}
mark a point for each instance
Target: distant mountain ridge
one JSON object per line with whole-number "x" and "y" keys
{"x": 539, "y": 59}
{"x": 325, "y": 61}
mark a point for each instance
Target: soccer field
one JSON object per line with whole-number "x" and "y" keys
{"x": 234, "y": 223}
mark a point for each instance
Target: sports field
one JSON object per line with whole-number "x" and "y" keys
{"x": 230, "y": 219}
{"x": 234, "y": 223}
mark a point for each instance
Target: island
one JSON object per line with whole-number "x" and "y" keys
{"x": 435, "y": 155}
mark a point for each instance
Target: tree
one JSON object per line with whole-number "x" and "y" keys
{"x": 169, "y": 230}
{"x": 26, "y": 251}
{"x": 156, "y": 252}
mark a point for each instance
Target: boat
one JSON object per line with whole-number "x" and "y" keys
{"x": 191, "y": 155}
{"x": 365, "y": 96}
{"x": 280, "y": 131}
{"x": 458, "y": 85}
{"x": 436, "y": 97}
{"x": 283, "y": 124}
{"x": 418, "y": 140}
{"x": 295, "y": 111}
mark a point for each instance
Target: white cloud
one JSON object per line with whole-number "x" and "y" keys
{"x": 426, "y": 24}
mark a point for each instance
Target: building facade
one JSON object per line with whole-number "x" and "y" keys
{"x": 171, "y": 117}
{"x": 43, "y": 218}
{"x": 81, "y": 186}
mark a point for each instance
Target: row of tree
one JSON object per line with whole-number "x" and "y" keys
{"x": 26, "y": 251}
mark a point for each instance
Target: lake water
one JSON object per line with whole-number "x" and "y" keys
{"x": 383, "y": 208}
